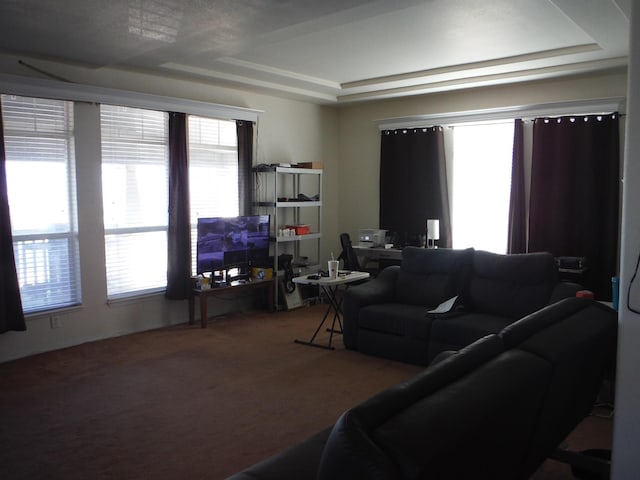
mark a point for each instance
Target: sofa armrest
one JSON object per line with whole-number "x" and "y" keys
{"x": 299, "y": 462}
{"x": 378, "y": 290}
{"x": 564, "y": 290}
{"x": 442, "y": 356}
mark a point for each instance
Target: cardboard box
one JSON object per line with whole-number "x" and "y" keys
{"x": 319, "y": 165}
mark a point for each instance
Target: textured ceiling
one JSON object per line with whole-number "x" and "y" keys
{"x": 329, "y": 51}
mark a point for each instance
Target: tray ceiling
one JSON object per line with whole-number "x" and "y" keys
{"x": 329, "y": 51}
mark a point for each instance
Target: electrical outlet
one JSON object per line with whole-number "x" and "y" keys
{"x": 54, "y": 321}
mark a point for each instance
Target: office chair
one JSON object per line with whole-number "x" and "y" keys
{"x": 348, "y": 255}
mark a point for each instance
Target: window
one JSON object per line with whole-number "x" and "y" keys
{"x": 482, "y": 156}
{"x": 213, "y": 171}
{"x": 135, "y": 199}
{"x": 39, "y": 144}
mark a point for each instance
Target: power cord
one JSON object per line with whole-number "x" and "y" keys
{"x": 633, "y": 278}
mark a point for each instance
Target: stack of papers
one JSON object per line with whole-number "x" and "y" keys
{"x": 445, "y": 306}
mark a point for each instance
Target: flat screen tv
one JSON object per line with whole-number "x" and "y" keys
{"x": 232, "y": 242}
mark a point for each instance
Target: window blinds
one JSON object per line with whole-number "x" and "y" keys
{"x": 39, "y": 144}
{"x": 135, "y": 198}
{"x": 213, "y": 171}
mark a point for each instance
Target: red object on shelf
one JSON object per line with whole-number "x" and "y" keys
{"x": 300, "y": 229}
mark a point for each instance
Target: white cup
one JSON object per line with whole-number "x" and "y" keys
{"x": 333, "y": 269}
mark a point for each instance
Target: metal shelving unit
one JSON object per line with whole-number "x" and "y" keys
{"x": 277, "y": 192}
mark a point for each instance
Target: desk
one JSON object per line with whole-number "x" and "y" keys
{"x": 330, "y": 287}
{"x": 210, "y": 292}
{"x": 380, "y": 255}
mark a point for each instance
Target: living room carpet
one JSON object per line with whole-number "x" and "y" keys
{"x": 190, "y": 403}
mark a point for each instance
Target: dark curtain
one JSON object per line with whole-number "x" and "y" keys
{"x": 11, "y": 314}
{"x": 517, "y": 241}
{"x": 244, "y": 130}
{"x": 413, "y": 183}
{"x": 574, "y": 194}
{"x": 179, "y": 235}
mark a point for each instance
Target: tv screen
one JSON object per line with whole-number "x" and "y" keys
{"x": 232, "y": 242}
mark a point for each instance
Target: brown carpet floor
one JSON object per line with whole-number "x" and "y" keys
{"x": 191, "y": 403}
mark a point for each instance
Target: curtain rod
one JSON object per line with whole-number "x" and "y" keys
{"x": 578, "y": 107}
{"x": 60, "y": 90}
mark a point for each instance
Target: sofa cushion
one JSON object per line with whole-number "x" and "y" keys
{"x": 455, "y": 332}
{"x": 428, "y": 277}
{"x": 510, "y": 285}
{"x": 396, "y": 319}
{"x": 394, "y": 347}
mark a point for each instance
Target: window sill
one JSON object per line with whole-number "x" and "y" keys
{"x": 136, "y": 297}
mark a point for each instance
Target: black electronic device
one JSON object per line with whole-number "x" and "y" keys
{"x": 225, "y": 243}
{"x": 571, "y": 263}
{"x": 284, "y": 261}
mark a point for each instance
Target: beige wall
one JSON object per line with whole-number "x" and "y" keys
{"x": 288, "y": 131}
{"x": 345, "y": 138}
{"x": 359, "y": 146}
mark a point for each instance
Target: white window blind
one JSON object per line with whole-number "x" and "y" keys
{"x": 39, "y": 144}
{"x": 213, "y": 171}
{"x": 135, "y": 199}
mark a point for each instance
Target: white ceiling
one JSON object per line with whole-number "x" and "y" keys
{"x": 326, "y": 50}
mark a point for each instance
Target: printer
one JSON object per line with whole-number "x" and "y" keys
{"x": 370, "y": 237}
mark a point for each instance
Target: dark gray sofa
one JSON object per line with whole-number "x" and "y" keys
{"x": 388, "y": 316}
{"x": 494, "y": 410}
